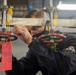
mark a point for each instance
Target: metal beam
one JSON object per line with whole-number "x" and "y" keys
{"x": 65, "y": 30}
{"x": 27, "y": 21}
{"x": 39, "y": 22}
{"x": 66, "y": 22}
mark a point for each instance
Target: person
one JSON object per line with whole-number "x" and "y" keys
{"x": 40, "y": 56}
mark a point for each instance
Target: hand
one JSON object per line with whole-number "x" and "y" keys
{"x": 22, "y": 33}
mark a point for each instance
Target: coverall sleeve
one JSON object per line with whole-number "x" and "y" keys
{"x": 25, "y": 66}
{"x": 56, "y": 63}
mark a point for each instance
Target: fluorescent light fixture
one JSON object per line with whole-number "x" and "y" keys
{"x": 66, "y": 6}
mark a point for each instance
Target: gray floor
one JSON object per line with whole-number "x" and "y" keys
{"x": 19, "y": 50}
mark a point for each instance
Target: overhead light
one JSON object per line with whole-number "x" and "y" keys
{"x": 66, "y": 6}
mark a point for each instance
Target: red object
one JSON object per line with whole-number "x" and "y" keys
{"x": 8, "y": 36}
{"x": 6, "y": 62}
{"x": 62, "y": 36}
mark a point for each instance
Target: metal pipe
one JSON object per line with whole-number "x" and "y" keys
{"x": 4, "y": 17}
{"x": 51, "y": 12}
{"x": 51, "y": 15}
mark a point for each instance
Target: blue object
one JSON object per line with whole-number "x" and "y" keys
{"x": 30, "y": 8}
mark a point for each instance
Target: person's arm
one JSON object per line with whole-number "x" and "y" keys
{"x": 49, "y": 58}
{"x": 25, "y": 66}
{"x": 45, "y": 55}
{"x": 55, "y": 62}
